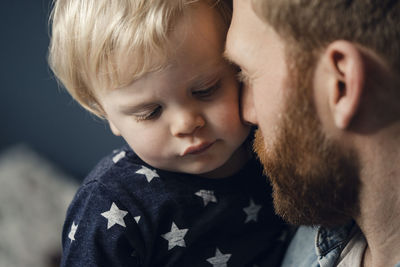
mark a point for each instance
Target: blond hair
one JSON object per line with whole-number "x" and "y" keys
{"x": 89, "y": 38}
{"x": 310, "y": 25}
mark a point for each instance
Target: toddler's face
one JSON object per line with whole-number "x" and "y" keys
{"x": 184, "y": 118}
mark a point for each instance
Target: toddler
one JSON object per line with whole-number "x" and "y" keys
{"x": 186, "y": 190}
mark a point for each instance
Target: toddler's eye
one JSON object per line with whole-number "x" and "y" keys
{"x": 206, "y": 93}
{"x": 148, "y": 115}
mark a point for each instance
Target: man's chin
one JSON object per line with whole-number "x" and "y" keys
{"x": 312, "y": 185}
{"x": 299, "y": 213}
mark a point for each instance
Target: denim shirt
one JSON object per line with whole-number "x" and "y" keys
{"x": 317, "y": 247}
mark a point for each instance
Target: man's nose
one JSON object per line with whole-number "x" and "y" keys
{"x": 186, "y": 123}
{"x": 247, "y": 106}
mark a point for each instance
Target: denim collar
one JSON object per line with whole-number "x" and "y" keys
{"x": 328, "y": 239}
{"x": 329, "y": 243}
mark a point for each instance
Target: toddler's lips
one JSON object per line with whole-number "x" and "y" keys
{"x": 194, "y": 150}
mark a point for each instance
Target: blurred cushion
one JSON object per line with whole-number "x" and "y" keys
{"x": 34, "y": 196}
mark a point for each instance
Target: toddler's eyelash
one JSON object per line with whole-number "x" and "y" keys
{"x": 203, "y": 94}
{"x": 148, "y": 116}
{"x": 209, "y": 91}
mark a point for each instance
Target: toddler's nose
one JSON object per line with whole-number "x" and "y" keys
{"x": 186, "y": 124}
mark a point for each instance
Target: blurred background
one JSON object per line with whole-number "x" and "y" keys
{"x": 47, "y": 142}
{"x": 33, "y": 109}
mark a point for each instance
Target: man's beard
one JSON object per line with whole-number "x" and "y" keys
{"x": 314, "y": 180}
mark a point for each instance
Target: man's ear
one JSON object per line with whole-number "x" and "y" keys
{"x": 114, "y": 129}
{"x": 346, "y": 66}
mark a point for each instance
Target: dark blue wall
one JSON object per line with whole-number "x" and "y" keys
{"x": 33, "y": 110}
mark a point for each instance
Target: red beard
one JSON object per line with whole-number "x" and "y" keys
{"x": 314, "y": 180}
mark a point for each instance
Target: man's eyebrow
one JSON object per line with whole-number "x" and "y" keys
{"x": 228, "y": 58}
{"x": 241, "y": 70}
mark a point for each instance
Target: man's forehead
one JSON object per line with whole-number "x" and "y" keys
{"x": 237, "y": 32}
{"x": 235, "y": 2}
{"x": 245, "y": 35}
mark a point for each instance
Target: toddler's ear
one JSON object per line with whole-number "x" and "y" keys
{"x": 114, "y": 129}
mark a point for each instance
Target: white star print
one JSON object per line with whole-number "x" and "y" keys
{"x": 207, "y": 196}
{"x": 137, "y": 218}
{"x": 175, "y": 237}
{"x": 252, "y": 211}
{"x": 72, "y": 232}
{"x": 150, "y": 174}
{"x": 219, "y": 260}
{"x": 115, "y": 216}
{"x": 119, "y": 156}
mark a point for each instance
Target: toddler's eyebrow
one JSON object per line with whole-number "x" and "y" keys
{"x": 129, "y": 109}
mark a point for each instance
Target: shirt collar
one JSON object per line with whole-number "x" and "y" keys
{"x": 329, "y": 243}
{"x": 328, "y": 239}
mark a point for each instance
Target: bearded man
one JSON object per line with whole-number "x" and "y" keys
{"x": 322, "y": 82}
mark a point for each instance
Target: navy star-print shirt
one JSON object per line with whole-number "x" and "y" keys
{"x": 127, "y": 213}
